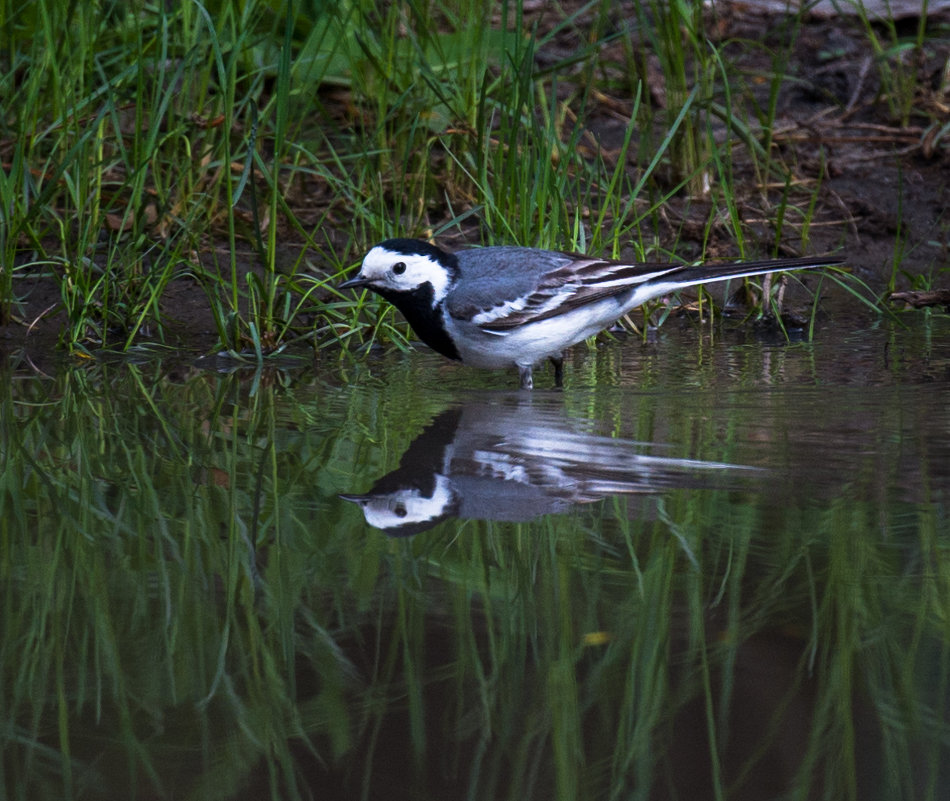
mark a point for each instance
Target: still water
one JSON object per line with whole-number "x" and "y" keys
{"x": 710, "y": 567}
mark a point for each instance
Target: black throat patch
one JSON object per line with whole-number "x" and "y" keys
{"x": 426, "y": 320}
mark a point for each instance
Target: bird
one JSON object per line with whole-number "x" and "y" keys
{"x": 515, "y": 458}
{"x": 501, "y": 306}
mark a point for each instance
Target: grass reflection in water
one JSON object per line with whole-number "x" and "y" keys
{"x": 189, "y": 610}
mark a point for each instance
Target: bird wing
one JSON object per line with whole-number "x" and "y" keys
{"x": 560, "y": 283}
{"x": 576, "y": 281}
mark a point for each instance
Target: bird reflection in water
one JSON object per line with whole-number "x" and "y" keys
{"x": 514, "y": 459}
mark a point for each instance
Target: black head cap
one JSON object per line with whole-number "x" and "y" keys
{"x": 417, "y": 247}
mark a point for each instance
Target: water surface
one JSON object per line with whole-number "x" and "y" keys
{"x": 711, "y": 566}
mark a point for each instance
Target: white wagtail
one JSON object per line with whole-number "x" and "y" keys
{"x": 495, "y": 307}
{"x": 508, "y": 459}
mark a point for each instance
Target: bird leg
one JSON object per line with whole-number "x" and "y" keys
{"x": 558, "y": 362}
{"x": 527, "y": 382}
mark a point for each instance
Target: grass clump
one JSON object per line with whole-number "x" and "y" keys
{"x": 250, "y": 153}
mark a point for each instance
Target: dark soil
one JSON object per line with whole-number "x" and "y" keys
{"x": 884, "y": 184}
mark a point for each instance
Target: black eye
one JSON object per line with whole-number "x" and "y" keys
{"x": 400, "y": 510}
{"x": 399, "y": 267}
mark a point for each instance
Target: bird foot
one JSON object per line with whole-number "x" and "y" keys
{"x": 527, "y": 380}
{"x": 558, "y": 362}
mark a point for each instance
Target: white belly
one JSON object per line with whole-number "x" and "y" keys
{"x": 531, "y": 343}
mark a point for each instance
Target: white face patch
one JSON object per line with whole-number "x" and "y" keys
{"x": 409, "y": 506}
{"x": 404, "y": 272}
